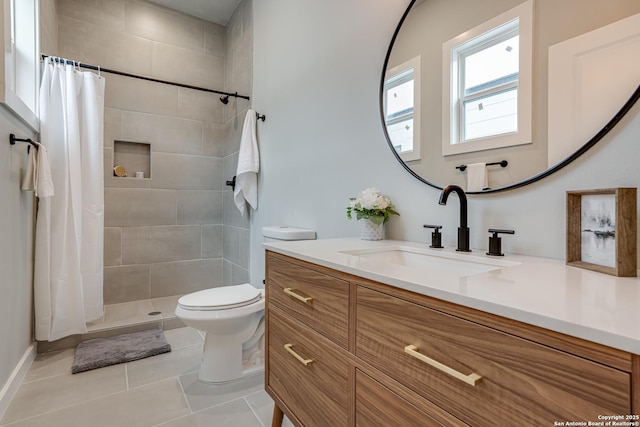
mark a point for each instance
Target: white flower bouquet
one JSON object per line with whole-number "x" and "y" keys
{"x": 372, "y": 205}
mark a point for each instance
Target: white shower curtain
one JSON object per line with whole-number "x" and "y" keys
{"x": 69, "y": 225}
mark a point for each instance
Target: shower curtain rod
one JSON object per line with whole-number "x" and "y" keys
{"x": 150, "y": 79}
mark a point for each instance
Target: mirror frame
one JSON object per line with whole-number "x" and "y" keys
{"x": 597, "y": 137}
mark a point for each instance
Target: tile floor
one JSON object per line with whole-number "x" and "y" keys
{"x": 161, "y": 390}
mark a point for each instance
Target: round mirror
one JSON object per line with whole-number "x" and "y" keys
{"x": 492, "y": 95}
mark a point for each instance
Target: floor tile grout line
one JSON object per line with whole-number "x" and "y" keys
{"x": 204, "y": 409}
{"x": 167, "y": 421}
{"x": 64, "y": 407}
{"x": 252, "y": 410}
{"x": 255, "y": 392}
{"x": 184, "y": 394}
{"x": 162, "y": 379}
{"x": 177, "y": 378}
{"x": 186, "y": 346}
{"x": 219, "y": 404}
{"x": 12, "y": 423}
{"x": 126, "y": 376}
{"x": 48, "y": 377}
{"x": 103, "y": 397}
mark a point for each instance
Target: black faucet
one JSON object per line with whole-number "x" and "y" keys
{"x": 463, "y": 230}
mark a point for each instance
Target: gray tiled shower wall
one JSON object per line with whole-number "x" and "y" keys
{"x": 177, "y": 231}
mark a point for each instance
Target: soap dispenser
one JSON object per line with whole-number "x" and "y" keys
{"x": 436, "y": 236}
{"x": 495, "y": 242}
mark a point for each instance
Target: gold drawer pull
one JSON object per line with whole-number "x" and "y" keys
{"x": 305, "y": 362}
{"x": 471, "y": 379}
{"x": 289, "y": 291}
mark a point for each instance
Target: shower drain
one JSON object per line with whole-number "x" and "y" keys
{"x": 155, "y": 313}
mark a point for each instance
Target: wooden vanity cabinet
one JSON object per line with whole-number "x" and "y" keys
{"x": 307, "y": 366}
{"x": 318, "y": 385}
{"x": 518, "y": 379}
{"x": 383, "y": 356}
{"x": 317, "y": 300}
{"x": 377, "y": 405}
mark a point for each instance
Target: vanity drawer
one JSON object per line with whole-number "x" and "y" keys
{"x": 318, "y": 392}
{"x": 521, "y": 382}
{"x": 319, "y": 300}
{"x": 377, "y": 406}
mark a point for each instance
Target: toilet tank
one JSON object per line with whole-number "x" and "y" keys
{"x": 276, "y": 233}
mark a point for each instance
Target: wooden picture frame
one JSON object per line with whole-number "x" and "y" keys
{"x": 602, "y": 230}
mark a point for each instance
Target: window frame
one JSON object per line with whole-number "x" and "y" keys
{"x": 10, "y": 94}
{"x": 414, "y": 64}
{"x": 452, "y": 101}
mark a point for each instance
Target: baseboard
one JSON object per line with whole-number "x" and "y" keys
{"x": 15, "y": 380}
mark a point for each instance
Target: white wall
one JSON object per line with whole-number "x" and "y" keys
{"x": 317, "y": 66}
{"x": 16, "y": 251}
{"x": 16, "y": 238}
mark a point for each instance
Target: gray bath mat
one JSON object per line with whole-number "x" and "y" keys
{"x": 100, "y": 352}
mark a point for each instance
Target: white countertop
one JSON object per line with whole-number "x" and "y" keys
{"x": 544, "y": 292}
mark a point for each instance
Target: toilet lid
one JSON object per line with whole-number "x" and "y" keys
{"x": 221, "y": 298}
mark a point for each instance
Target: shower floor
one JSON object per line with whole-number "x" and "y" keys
{"x": 123, "y": 318}
{"x": 139, "y": 313}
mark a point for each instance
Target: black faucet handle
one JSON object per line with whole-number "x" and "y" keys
{"x": 495, "y": 242}
{"x": 495, "y": 231}
{"x": 436, "y": 236}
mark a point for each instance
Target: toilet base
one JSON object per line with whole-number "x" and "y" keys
{"x": 224, "y": 360}
{"x": 248, "y": 372}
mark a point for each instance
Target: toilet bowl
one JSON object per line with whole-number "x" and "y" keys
{"x": 232, "y": 317}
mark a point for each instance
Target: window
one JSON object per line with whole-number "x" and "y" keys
{"x": 487, "y": 84}
{"x": 488, "y": 78}
{"x": 401, "y": 100}
{"x": 20, "y": 72}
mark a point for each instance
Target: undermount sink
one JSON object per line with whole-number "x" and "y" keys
{"x": 460, "y": 264}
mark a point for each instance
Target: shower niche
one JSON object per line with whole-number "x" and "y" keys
{"x": 131, "y": 159}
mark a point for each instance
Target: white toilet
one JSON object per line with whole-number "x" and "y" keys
{"x": 232, "y": 318}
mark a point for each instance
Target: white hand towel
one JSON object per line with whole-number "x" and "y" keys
{"x": 29, "y": 178}
{"x": 37, "y": 177}
{"x": 44, "y": 181}
{"x": 248, "y": 166}
{"x": 477, "y": 179}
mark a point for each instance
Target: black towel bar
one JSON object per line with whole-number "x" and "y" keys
{"x": 13, "y": 139}
{"x": 502, "y": 163}
{"x": 232, "y": 183}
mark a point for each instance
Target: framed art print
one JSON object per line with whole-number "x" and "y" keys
{"x": 602, "y": 230}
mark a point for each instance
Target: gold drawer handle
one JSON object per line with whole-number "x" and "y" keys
{"x": 289, "y": 291}
{"x": 305, "y": 362}
{"x": 471, "y": 379}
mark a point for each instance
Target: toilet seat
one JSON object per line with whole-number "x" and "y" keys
{"x": 222, "y": 298}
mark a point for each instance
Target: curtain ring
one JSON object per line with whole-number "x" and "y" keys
{"x": 99, "y": 75}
